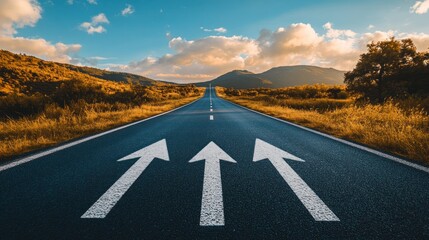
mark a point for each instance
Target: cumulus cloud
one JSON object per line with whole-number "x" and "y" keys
{"x": 18, "y": 14}
{"x": 421, "y": 40}
{"x": 39, "y": 47}
{"x": 94, "y": 2}
{"x": 195, "y": 60}
{"x": 95, "y": 26}
{"x": 286, "y": 45}
{"x": 128, "y": 10}
{"x": 336, "y": 33}
{"x": 420, "y": 7}
{"x": 15, "y": 14}
{"x": 209, "y": 57}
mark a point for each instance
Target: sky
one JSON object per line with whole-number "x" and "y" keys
{"x": 189, "y": 41}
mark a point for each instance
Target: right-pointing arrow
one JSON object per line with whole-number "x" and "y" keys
{"x": 306, "y": 195}
{"x": 212, "y": 200}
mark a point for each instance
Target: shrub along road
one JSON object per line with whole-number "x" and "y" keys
{"x": 212, "y": 170}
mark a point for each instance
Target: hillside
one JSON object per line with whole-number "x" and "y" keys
{"x": 22, "y": 74}
{"x": 111, "y": 76}
{"x": 279, "y": 77}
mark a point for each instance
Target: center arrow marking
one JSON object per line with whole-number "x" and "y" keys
{"x": 212, "y": 200}
{"x": 108, "y": 200}
{"x": 306, "y": 195}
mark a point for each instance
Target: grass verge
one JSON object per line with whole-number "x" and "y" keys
{"x": 57, "y": 124}
{"x": 386, "y": 127}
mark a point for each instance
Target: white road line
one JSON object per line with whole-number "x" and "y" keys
{"x": 355, "y": 145}
{"x": 212, "y": 213}
{"x": 211, "y": 110}
{"x": 210, "y": 92}
{"x": 211, "y": 117}
{"x": 71, "y": 144}
{"x": 109, "y": 199}
{"x": 306, "y": 195}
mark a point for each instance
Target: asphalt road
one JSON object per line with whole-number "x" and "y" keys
{"x": 304, "y": 186}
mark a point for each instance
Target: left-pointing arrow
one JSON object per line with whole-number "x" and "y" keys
{"x": 108, "y": 200}
{"x": 212, "y": 200}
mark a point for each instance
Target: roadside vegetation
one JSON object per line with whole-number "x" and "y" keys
{"x": 44, "y": 103}
{"x": 32, "y": 122}
{"x": 384, "y": 104}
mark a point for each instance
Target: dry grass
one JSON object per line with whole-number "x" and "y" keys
{"x": 57, "y": 124}
{"x": 386, "y": 127}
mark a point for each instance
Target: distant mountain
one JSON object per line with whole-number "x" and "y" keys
{"x": 279, "y": 77}
{"x": 238, "y": 79}
{"x": 299, "y": 75}
{"x": 24, "y": 74}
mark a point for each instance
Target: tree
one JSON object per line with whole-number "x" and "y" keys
{"x": 388, "y": 69}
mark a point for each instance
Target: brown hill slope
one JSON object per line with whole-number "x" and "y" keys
{"x": 22, "y": 74}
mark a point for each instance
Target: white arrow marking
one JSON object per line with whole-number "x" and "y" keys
{"x": 306, "y": 195}
{"x": 212, "y": 200}
{"x": 108, "y": 200}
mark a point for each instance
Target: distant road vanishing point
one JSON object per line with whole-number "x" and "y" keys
{"x": 213, "y": 170}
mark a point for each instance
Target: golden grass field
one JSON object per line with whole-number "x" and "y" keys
{"x": 386, "y": 127}
{"x": 58, "y": 124}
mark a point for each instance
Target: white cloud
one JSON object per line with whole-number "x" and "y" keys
{"x": 209, "y": 57}
{"x": 100, "y": 18}
{"x": 70, "y": 2}
{"x": 370, "y": 27}
{"x": 39, "y": 47}
{"x": 94, "y": 2}
{"x": 18, "y": 14}
{"x": 95, "y": 25}
{"x": 128, "y": 10}
{"x": 195, "y": 60}
{"x": 420, "y": 7}
{"x": 218, "y": 30}
{"x": 421, "y": 40}
{"x": 335, "y": 33}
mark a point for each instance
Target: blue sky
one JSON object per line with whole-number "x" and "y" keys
{"x": 166, "y": 39}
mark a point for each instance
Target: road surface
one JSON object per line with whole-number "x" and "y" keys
{"x": 212, "y": 170}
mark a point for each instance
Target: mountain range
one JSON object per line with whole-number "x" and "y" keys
{"x": 278, "y": 77}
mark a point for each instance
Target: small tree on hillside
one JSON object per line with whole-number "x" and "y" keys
{"x": 387, "y": 70}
